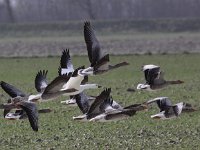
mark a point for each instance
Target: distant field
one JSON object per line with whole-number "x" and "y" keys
{"x": 57, "y": 130}
{"x": 116, "y": 37}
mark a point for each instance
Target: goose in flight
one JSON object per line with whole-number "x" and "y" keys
{"x": 68, "y": 84}
{"x": 29, "y": 107}
{"x": 99, "y": 62}
{"x": 164, "y": 102}
{"x": 40, "y": 85}
{"x": 66, "y": 67}
{"x": 167, "y": 110}
{"x": 155, "y": 79}
{"x": 12, "y": 91}
{"x": 103, "y": 109}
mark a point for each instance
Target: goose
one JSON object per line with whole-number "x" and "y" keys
{"x": 29, "y": 107}
{"x": 155, "y": 79}
{"x": 12, "y": 91}
{"x": 20, "y": 114}
{"x": 104, "y": 109}
{"x": 68, "y": 84}
{"x": 66, "y": 67}
{"x": 40, "y": 85}
{"x": 99, "y": 62}
{"x": 164, "y": 102}
{"x": 167, "y": 110}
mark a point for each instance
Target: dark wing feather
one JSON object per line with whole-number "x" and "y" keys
{"x": 94, "y": 108}
{"x": 32, "y": 113}
{"x": 41, "y": 80}
{"x": 164, "y": 103}
{"x": 66, "y": 65}
{"x": 93, "y": 47}
{"x": 56, "y": 84}
{"x": 82, "y": 102}
{"x": 11, "y": 90}
{"x": 151, "y": 75}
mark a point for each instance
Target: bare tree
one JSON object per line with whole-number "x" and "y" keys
{"x": 87, "y": 6}
{"x": 11, "y": 16}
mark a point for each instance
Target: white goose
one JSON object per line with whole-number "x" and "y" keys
{"x": 69, "y": 84}
{"x": 155, "y": 79}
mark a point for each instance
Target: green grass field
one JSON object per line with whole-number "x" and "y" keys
{"x": 57, "y": 130}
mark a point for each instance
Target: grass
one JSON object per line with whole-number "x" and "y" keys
{"x": 57, "y": 130}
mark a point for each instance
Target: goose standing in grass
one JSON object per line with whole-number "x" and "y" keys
{"x": 99, "y": 62}
{"x": 167, "y": 110}
{"x": 155, "y": 79}
{"x": 29, "y": 107}
{"x": 68, "y": 84}
{"x": 104, "y": 108}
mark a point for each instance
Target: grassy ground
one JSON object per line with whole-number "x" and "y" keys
{"x": 57, "y": 130}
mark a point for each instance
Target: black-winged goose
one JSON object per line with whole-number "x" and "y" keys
{"x": 29, "y": 107}
{"x": 154, "y": 79}
{"x": 99, "y": 62}
{"x": 103, "y": 109}
{"x": 167, "y": 110}
{"x": 66, "y": 67}
{"x": 68, "y": 85}
{"x": 40, "y": 85}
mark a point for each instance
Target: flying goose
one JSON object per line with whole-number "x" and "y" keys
{"x": 68, "y": 84}
{"x": 167, "y": 110}
{"x": 155, "y": 79}
{"x": 28, "y": 107}
{"x": 104, "y": 108}
{"x": 21, "y": 114}
{"x": 164, "y": 102}
{"x": 40, "y": 85}
{"x": 66, "y": 67}
{"x": 99, "y": 62}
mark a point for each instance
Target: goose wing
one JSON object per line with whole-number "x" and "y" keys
{"x": 82, "y": 102}
{"x": 93, "y": 46}
{"x": 32, "y": 113}
{"x": 66, "y": 65}
{"x": 151, "y": 74}
{"x": 11, "y": 90}
{"x": 56, "y": 85}
{"x": 162, "y": 102}
{"x": 41, "y": 80}
{"x": 95, "y": 107}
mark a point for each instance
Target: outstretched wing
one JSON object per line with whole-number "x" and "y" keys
{"x": 11, "y": 90}
{"x": 55, "y": 86}
{"x": 151, "y": 72}
{"x": 66, "y": 65}
{"x": 41, "y": 80}
{"x": 162, "y": 102}
{"x": 95, "y": 107}
{"x": 82, "y": 102}
{"x": 93, "y": 47}
{"x": 32, "y": 113}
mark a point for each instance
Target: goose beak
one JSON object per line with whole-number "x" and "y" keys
{"x": 88, "y": 71}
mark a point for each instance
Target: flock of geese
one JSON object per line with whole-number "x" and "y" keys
{"x": 73, "y": 82}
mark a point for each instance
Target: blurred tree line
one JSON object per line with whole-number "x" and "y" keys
{"x": 63, "y": 10}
